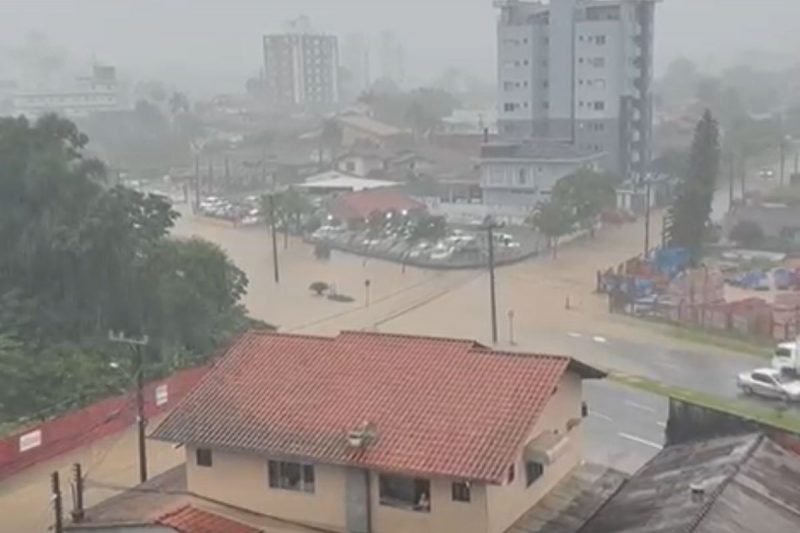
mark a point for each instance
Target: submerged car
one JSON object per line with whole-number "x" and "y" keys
{"x": 770, "y": 383}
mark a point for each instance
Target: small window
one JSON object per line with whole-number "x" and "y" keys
{"x": 291, "y": 476}
{"x": 522, "y": 177}
{"x": 600, "y": 39}
{"x": 599, "y": 105}
{"x": 461, "y": 492}
{"x": 533, "y": 471}
{"x": 203, "y": 457}
{"x": 413, "y": 494}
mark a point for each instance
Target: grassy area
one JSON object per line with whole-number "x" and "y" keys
{"x": 729, "y": 340}
{"x": 776, "y": 416}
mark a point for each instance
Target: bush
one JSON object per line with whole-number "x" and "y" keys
{"x": 319, "y": 287}
{"x": 747, "y": 233}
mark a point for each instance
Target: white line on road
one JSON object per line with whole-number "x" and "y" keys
{"x": 640, "y": 406}
{"x": 601, "y": 416}
{"x": 575, "y": 335}
{"x": 646, "y": 442}
{"x": 601, "y": 340}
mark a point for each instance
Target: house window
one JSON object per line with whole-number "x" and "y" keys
{"x": 350, "y": 166}
{"x": 203, "y": 457}
{"x": 291, "y": 476}
{"x": 461, "y": 492}
{"x": 533, "y": 471}
{"x": 413, "y": 494}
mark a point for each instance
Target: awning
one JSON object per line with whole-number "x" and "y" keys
{"x": 546, "y": 448}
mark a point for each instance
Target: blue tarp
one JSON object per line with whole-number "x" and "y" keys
{"x": 671, "y": 261}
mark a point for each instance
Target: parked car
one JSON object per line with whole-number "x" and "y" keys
{"x": 770, "y": 383}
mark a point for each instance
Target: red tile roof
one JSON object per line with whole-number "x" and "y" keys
{"x": 360, "y": 205}
{"x": 190, "y": 520}
{"x": 440, "y": 407}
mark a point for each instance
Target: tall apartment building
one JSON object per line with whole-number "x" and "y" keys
{"x": 579, "y": 71}
{"x": 301, "y": 69}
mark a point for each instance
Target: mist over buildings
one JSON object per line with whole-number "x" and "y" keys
{"x": 209, "y": 46}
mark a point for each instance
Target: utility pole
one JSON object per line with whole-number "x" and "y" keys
{"x": 274, "y": 233}
{"x": 210, "y": 183}
{"x": 731, "y": 180}
{"x": 55, "y": 489}
{"x": 782, "y": 148}
{"x": 196, "y": 182}
{"x": 137, "y": 343}
{"x": 743, "y": 176}
{"x": 490, "y": 226}
{"x": 647, "y": 222}
{"x": 367, "y": 284}
{"x": 78, "y": 511}
{"x": 511, "y": 327}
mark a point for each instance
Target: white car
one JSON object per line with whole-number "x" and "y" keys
{"x": 770, "y": 383}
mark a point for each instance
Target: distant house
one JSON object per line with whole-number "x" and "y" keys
{"x": 379, "y": 433}
{"x": 356, "y": 128}
{"x": 359, "y": 206}
{"x": 740, "y": 484}
{"x": 778, "y": 221}
{"x": 516, "y": 176}
{"x": 340, "y": 182}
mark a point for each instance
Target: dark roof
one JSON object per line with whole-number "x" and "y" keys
{"x": 750, "y": 485}
{"x": 539, "y": 150}
{"x": 438, "y": 407}
{"x": 572, "y": 502}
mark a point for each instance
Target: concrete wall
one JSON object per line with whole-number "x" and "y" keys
{"x": 508, "y": 502}
{"x": 242, "y": 480}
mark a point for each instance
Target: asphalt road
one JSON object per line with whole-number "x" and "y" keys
{"x": 625, "y": 427}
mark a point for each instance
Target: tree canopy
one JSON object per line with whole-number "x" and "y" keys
{"x": 81, "y": 259}
{"x": 691, "y": 211}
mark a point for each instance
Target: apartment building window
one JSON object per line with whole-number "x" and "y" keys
{"x": 508, "y": 85}
{"x": 599, "y": 105}
{"x": 599, "y": 62}
{"x": 462, "y": 492}
{"x": 413, "y": 494}
{"x": 545, "y": 84}
{"x": 600, "y": 39}
{"x": 526, "y": 62}
{"x": 533, "y": 471}
{"x": 509, "y": 107}
{"x": 522, "y": 177}
{"x": 291, "y": 476}
{"x": 546, "y": 105}
{"x": 203, "y": 457}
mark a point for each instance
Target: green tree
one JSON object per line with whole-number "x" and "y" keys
{"x": 691, "y": 211}
{"x": 81, "y": 259}
{"x": 553, "y": 219}
{"x": 586, "y": 194}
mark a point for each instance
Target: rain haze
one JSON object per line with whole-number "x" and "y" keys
{"x": 209, "y": 46}
{"x": 393, "y": 266}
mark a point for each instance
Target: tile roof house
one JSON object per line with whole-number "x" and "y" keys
{"x": 359, "y": 206}
{"x": 740, "y": 484}
{"x": 381, "y": 433}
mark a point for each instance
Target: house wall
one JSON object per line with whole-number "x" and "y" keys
{"x": 506, "y": 503}
{"x": 361, "y": 166}
{"x": 524, "y": 182}
{"x": 241, "y": 480}
{"x": 445, "y": 514}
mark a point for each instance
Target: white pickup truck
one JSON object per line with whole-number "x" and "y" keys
{"x": 786, "y": 359}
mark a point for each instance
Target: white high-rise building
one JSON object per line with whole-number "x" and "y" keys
{"x": 580, "y": 71}
{"x": 301, "y": 68}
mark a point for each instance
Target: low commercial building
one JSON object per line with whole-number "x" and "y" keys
{"x": 380, "y": 433}
{"x": 338, "y": 182}
{"x": 516, "y": 176}
{"x": 358, "y": 207}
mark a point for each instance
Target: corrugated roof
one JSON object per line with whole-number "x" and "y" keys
{"x": 537, "y": 150}
{"x": 191, "y": 520}
{"x": 368, "y": 124}
{"x": 750, "y": 485}
{"x": 443, "y": 407}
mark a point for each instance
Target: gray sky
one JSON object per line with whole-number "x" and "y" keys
{"x": 216, "y": 43}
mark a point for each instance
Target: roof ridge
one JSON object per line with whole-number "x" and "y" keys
{"x": 712, "y": 499}
{"x": 410, "y": 336}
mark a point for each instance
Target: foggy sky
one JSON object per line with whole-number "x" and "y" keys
{"x": 215, "y": 44}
